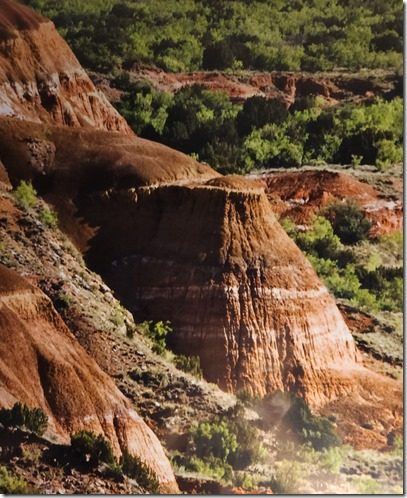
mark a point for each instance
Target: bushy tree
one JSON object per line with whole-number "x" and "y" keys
{"x": 348, "y": 222}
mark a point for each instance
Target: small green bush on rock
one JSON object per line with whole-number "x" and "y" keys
{"x": 49, "y": 217}
{"x": 91, "y": 449}
{"x": 190, "y": 364}
{"x": 136, "y": 469}
{"x": 34, "y": 420}
{"x": 26, "y": 195}
{"x": 11, "y": 484}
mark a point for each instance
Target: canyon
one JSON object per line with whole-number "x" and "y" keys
{"x": 220, "y": 257}
{"x": 173, "y": 240}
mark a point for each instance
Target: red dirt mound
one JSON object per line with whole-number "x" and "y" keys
{"x": 40, "y": 78}
{"x": 300, "y": 195}
{"x": 15, "y": 16}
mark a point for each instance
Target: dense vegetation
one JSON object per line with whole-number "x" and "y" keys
{"x": 181, "y": 35}
{"x": 262, "y": 133}
{"x": 109, "y": 36}
{"x": 366, "y": 282}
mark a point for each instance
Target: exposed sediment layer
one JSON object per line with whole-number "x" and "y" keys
{"x": 237, "y": 290}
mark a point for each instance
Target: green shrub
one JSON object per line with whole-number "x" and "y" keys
{"x": 136, "y": 469}
{"x": 13, "y": 485}
{"x": 49, "y": 217}
{"x": 91, "y": 449}
{"x": 211, "y": 466}
{"x": 157, "y": 333}
{"x": 215, "y": 439}
{"x": 288, "y": 477}
{"x": 190, "y": 364}
{"x": 230, "y": 439}
{"x": 26, "y": 195}
{"x": 297, "y": 421}
{"x": 348, "y": 222}
{"x": 33, "y": 420}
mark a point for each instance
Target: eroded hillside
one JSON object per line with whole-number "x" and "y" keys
{"x": 173, "y": 240}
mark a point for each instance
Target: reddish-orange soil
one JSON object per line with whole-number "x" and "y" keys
{"x": 300, "y": 195}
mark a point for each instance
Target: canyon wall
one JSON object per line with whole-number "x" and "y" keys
{"x": 46, "y": 368}
{"x": 214, "y": 261}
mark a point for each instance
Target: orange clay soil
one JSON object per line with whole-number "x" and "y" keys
{"x": 301, "y": 195}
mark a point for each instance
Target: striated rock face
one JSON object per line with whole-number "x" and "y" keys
{"x": 180, "y": 243}
{"x": 213, "y": 260}
{"x": 300, "y": 195}
{"x": 47, "y": 368}
{"x": 41, "y": 79}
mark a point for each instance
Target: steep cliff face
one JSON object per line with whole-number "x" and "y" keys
{"x": 47, "y": 368}
{"x": 213, "y": 260}
{"x": 41, "y": 79}
{"x": 206, "y": 254}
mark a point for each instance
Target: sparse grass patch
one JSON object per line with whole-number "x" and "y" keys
{"x": 288, "y": 477}
{"x": 137, "y": 469}
{"x": 32, "y": 456}
{"x": 25, "y": 195}
{"x": 189, "y": 364}
{"x": 11, "y": 484}
{"x": 49, "y": 217}
{"x": 367, "y": 486}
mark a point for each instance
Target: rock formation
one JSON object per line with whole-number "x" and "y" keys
{"x": 41, "y": 79}
{"x": 239, "y": 293}
{"x": 177, "y": 241}
{"x": 47, "y": 368}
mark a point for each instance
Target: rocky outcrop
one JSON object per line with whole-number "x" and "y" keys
{"x": 213, "y": 260}
{"x": 180, "y": 243}
{"x": 47, "y": 368}
{"x": 41, "y": 79}
{"x": 300, "y": 195}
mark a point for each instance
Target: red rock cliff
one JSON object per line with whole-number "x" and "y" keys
{"x": 213, "y": 260}
{"x": 41, "y": 79}
{"x": 46, "y": 368}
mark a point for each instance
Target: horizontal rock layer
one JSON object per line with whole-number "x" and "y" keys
{"x": 47, "y": 368}
{"x": 238, "y": 292}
